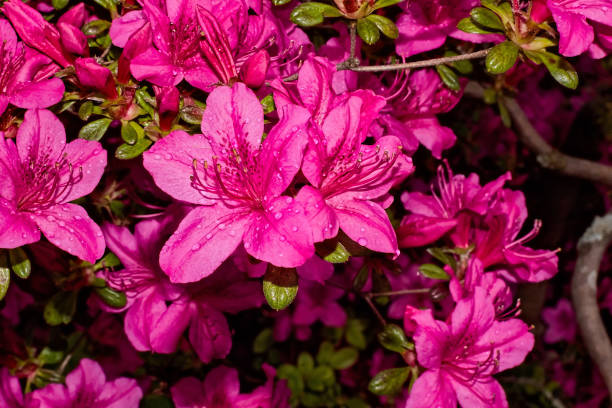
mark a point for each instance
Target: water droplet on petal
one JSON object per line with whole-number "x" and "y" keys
{"x": 289, "y": 200}
{"x": 282, "y": 238}
{"x": 294, "y": 228}
{"x": 195, "y": 247}
{"x": 362, "y": 241}
{"x": 247, "y": 245}
{"x": 208, "y": 236}
{"x": 362, "y": 229}
{"x": 278, "y": 215}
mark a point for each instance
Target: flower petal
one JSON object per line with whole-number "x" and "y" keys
{"x": 431, "y": 389}
{"x": 209, "y": 334}
{"x": 39, "y": 94}
{"x": 88, "y": 160}
{"x": 17, "y": 228}
{"x": 41, "y": 136}
{"x": 156, "y": 68}
{"x": 68, "y": 227}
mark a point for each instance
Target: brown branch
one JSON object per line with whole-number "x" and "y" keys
{"x": 416, "y": 64}
{"x": 548, "y": 156}
{"x": 591, "y": 248}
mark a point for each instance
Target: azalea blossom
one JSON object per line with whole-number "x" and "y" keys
{"x": 560, "y": 321}
{"x": 41, "y": 174}
{"x": 462, "y": 354}
{"x": 87, "y": 386}
{"x": 24, "y": 74}
{"x": 236, "y": 182}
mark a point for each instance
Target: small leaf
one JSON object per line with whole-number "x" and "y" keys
{"x": 389, "y": 382}
{"x": 127, "y": 151}
{"x": 467, "y": 25}
{"x": 367, "y": 30}
{"x": 393, "y": 338}
{"x": 433, "y": 271}
{"x": 111, "y": 297}
{"x": 561, "y": 70}
{"x": 305, "y": 363}
{"x": 95, "y": 27}
{"x": 326, "y": 351}
{"x": 268, "y": 104}
{"x": 85, "y": 110}
{"x": 20, "y": 263}
{"x": 502, "y": 10}
{"x": 191, "y": 114}
{"x": 354, "y": 333}
{"x": 293, "y": 376}
{"x": 340, "y": 255}
{"x": 59, "y": 4}
{"x": 60, "y": 308}
{"x": 312, "y": 13}
{"x": 501, "y": 57}
{"x": 263, "y": 341}
{"x": 109, "y": 260}
{"x": 386, "y": 26}
{"x": 280, "y": 2}
{"x": 321, "y": 378}
{"x": 95, "y": 130}
{"x": 48, "y": 356}
{"x": 464, "y": 67}
{"x": 538, "y": 43}
{"x": 344, "y": 358}
{"x": 442, "y": 256}
{"x": 449, "y": 77}
{"x": 280, "y": 286}
{"x": 504, "y": 114}
{"x": 385, "y": 3}
{"x": 5, "y": 274}
{"x": 361, "y": 278}
{"x": 131, "y": 132}
{"x": 490, "y": 96}
{"x": 486, "y": 18}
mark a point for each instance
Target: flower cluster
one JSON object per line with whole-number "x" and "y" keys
{"x": 187, "y": 185}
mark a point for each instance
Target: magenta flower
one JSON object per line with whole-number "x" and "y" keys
{"x": 435, "y": 215}
{"x": 236, "y": 181}
{"x": 11, "y": 395}
{"x": 461, "y": 355}
{"x": 318, "y": 302}
{"x": 86, "y": 386}
{"x": 576, "y": 34}
{"x": 560, "y": 321}
{"x": 221, "y": 389}
{"x": 41, "y": 175}
{"x": 24, "y": 74}
{"x": 425, "y": 24}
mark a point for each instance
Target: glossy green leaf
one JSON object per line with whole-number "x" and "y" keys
{"x": 5, "y": 274}
{"x": 95, "y": 130}
{"x": 339, "y": 255}
{"x": 386, "y": 26}
{"x": 344, "y": 358}
{"x": 385, "y": 3}
{"x": 85, "y": 110}
{"x": 280, "y": 287}
{"x": 393, "y": 338}
{"x": 368, "y": 31}
{"x": 486, "y": 18}
{"x": 449, "y": 77}
{"x": 112, "y": 297}
{"x": 96, "y": 27}
{"x": 501, "y": 57}
{"x": 60, "y": 308}
{"x": 59, "y": 4}
{"x": 20, "y": 263}
{"x": 312, "y": 13}
{"x": 433, "y": 271}
{"x": 561, "y": 70}
{"x": 467, "y": 25}
{"x": 389, "y": 382}
{"x": 127, "y": 151}
{"x": 48, "y": 356}
{"x": 131, "y": 132}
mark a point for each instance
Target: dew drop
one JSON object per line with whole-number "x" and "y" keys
{"x": 362, "y": 241}
{"x": 294, "y": 228}
{"x": 208, "y": 236}
{"x": 362, "y": 229}
{"x": 289, "y": 200}
{"x": 157, "y": 157}
{"x": 282, "y": 238}
{"x": 278, "y": 215}
{"x": 195, "y": 247}
{"x": 247, "y": 245}
{"x": 222, "y": 226}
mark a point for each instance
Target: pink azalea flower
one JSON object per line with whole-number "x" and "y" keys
{"x": 236, "y": 182}
{"x": 37, "y": 32}
{"x": 462, "y": 354}
{"x": 24, "y": 74}
{"x": 158, "y": 311}
{"x": 348, "y": 176}
{"x": 318, "y": 302}
{"x": 560, "y": 321}
{"x": 425, "y": 24}
{"x": 576, "y": 34}
{"x": 41, "y": 175}
{"x": 11, "y": 395}
{"x": 433, "y": 216}
{"x": 86, "y": 386}
{"x": 221, "y": 389}
{"x": 15, "y": 301}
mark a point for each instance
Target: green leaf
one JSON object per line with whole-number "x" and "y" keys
{"x": 340, "y": 254}
{"x": 486, "y": 18}
{"x": 326, "y": 351}
{"x": 5, "y": 274}
{"x": 312, "y": 13}
{"x": 20, "y": 263}
{"x": 464, "y": 67}
{"x": 490, "y": 96}
{"x": 467, "y": 25}
{"x": 263, "y": 341}
{"x": 156, "y": 401}
{"x": 144, "y": 100}
{"x": 48, "y": 356}
{"x": 393, "y": 338}
{"x": 538, "y": 43}
{"x": 321, "y": 378}
{"x": 60, "y": 308}
{"x": 361, "y": 278}
{"x": 280, "y": 2}
{"x": 344, "y": 358}
{"x": 85, "y": 110}
{"x": 367, "y": 30}
{"x": 504, "y": 114}
{"x": 386, "y": 26}
{"x": 280, "y": 286}
{"x": 449, "y": 77}
{"x": 356, "y": 403}
{"x": 561, "y": 70}
{"x": 59, "y": 4}
{"x": 305, "y": 363}
{"x": 442, "y": 256}
{"x": 433, "y": 271}
{"x": 503, "y": 10}
{"x": 389, "y": 382}
{"x": 293, "y": 376}
{"x": 109, "y": 260}
{"x": 95, "y": 130}
{"x": 501, "y": 57}
{"x": 111, "y": 297}
{"x": 354, "y": 333}
{"x": 385, "y": 3}
{"x": 131, "y": 132}
{"x": 268, "y": 104}
{"x": 126, "y": 151}
{"x": 95, "y": 27}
